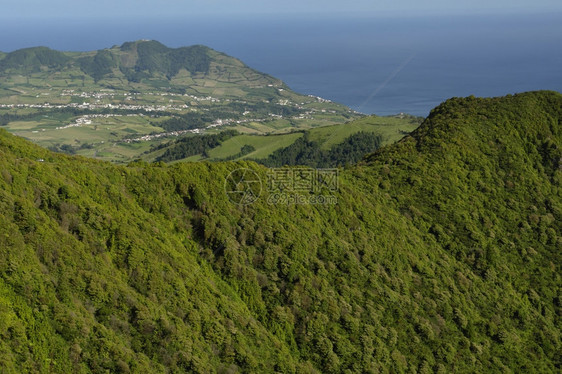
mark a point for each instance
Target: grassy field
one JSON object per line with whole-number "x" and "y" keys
{"x": 264, "y": 145}
{"x": 102, "y": 138}
{"x": 118, "y": 152}
{"x": 391, "y": 129}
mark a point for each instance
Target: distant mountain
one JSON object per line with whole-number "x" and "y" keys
{"x": 437, "y": 254}
{"x": 134, "y": 61}
{"x": 31, "y": 60}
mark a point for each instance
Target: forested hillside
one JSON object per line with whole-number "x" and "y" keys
{"x": 440, "y": 253}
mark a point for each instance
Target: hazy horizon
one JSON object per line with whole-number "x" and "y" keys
{"x": 218, "y": 8}
{"x": 381, "y": 65}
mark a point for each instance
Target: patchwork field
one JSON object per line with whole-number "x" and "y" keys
{"x": 391, "y": 129}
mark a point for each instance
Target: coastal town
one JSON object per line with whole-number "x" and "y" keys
{"x": 98, "y": 100}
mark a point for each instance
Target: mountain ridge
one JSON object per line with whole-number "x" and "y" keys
{"x": 134, "y": 60}
{"x": 442, "y": 254}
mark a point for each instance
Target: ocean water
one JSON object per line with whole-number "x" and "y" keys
{"x": 374, "y": 64}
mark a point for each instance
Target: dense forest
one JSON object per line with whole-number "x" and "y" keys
{"x": 442, "y": 255}
{"x": 303, "y": 151}
{"x": 193, "y": 145}
{"x": 310, "y": 153}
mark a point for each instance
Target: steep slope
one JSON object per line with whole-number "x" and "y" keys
{"x": 90, "y": 281}
{"x": 442, "y": 254}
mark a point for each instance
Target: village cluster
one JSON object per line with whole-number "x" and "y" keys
{"x": 98, "y": 100}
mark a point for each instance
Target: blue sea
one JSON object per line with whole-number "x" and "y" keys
{"x": 374, "y": 64}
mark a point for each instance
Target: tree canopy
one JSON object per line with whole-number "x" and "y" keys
{"x": 442, "y": 254}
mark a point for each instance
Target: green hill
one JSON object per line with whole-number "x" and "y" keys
{"x": 145, "y": 65}
{"x": 155, "y": 57}
{"x": 133, "y": 60}
{"x": 440, "y": 253}
{"x": 30, "y": 60}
